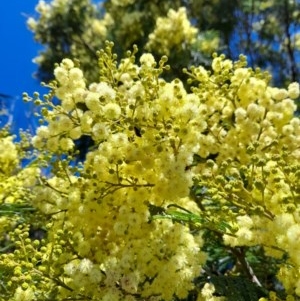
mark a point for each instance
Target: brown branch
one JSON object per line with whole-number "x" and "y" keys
{"x": 240, "y": 255}
{"x": 290, "y": 50}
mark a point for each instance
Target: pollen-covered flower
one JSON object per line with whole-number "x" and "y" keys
{"x": 100, "y": 131}
{"x": 75, "y": 74}
{"x": 66, "y": 144}
{"x": 293, "y": 90}
{"x": 67, "y": 63}
{"x": 112, "y": 111}
{"x": 279, "y": 94}
{"x": 71, "y": 267}
{"x": 8, "y": 154}
{"x": 240, "y": 114}
{"x": 85, "y": 266}
{"x": 104, "y": 90}
{"x": 92, "y": 101}
{"x": 61, "y": 74}
{"x": 148, "y": 60}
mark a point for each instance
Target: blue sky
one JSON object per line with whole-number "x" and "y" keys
{"x": 17, "y": 49}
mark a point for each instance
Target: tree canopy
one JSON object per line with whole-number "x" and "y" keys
{"x": 189, "y": 187}
{"x": 187, "y": 31}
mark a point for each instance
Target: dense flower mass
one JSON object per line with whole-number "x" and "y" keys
{"x": 148, "y": 181}
{"x": 109, "y": 220}
{"x": 124, "y": 174}
{"x": 15, "y": 184}
{"x": 171, "y": 32}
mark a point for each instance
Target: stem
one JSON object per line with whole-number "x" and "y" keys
{"x": 290, "y": 51}
{"x": 240, "y": 255}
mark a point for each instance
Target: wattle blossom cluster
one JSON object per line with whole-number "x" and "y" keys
{"x": 233, "y": 135}
{"x": 253, "y": 135}
{"x": 172, "y": 32}
{"x": 15, "y": 183}
{"x": 139, "y": 125}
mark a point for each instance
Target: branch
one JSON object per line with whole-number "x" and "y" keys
{"x": 290, "y": 51}
{"x": 240, "y": 255}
